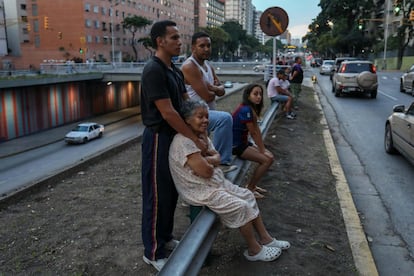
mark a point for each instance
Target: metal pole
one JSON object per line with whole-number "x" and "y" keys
{"x": 387, "y": 14}
{"x": 112, "y": 33}
{"x": 274, "y": 56}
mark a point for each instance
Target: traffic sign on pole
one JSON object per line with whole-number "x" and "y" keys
{"x": 274, "y": 21}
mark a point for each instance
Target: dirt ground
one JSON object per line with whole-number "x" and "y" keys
{"x": 87, "y": 221}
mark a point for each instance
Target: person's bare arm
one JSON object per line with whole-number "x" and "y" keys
{"x": 213, "y": 157}
{"x": 174, "y": 119}
{"x": 200, "y": 165}
{"x": 256, "y": 135}
{"x": 194, "y": 77}
{"x": 293, "y": 75}
{"x": 218, "y": 87}
{"x": 282, "y": 91}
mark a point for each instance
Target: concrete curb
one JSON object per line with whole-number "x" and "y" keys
{"x": 361, "y": 252}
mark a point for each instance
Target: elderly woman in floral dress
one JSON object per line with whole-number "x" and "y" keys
{"x": 200, "y": 182}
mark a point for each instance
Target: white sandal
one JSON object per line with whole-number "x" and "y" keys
{"x": 266, "y": 254}
{"x": 278, "y": 244}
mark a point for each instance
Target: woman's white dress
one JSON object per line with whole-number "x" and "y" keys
{"x": 234, "y": 205}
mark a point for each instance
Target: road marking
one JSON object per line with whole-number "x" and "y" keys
{"x": 388, "y": 96}
{"x": 364, "y": 261}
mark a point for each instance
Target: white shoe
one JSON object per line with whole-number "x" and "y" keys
{"x": 284, "y": 245}
{"x": 158, "y": 264}
{"x": 227, "y": 168}
{"x": 171, "y": 245}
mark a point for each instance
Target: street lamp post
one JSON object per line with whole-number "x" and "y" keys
{"x": 112, "y": 32}
{"x": 387, "y": 11}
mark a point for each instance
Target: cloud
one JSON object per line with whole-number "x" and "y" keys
{"x": 298, "y": 31}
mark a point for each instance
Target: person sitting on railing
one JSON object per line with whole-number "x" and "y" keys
{"x": 244, "y": 124}
{"x": 278, "y": 90}
{"x": 200, "y": 182}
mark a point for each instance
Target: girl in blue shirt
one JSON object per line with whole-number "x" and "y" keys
{"x": 244, "y": 125}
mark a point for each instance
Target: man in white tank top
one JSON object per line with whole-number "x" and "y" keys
{"x": 202, "y": 83}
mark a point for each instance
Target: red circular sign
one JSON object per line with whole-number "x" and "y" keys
{"x": 274, "y": 21}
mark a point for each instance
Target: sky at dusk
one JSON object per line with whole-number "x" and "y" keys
{"x": 300, "y": 12}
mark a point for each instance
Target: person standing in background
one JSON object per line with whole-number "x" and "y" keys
{"x": 163, "y": 94}
{"x": 296, "y": 78}
{"x": 202, "y": 83}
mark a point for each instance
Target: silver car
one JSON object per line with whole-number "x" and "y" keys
{"x": 326, "y": 67}
{"x": 84, "y": 132}
{"x": 399, "y": 132}
{"x": 407, "y": 81}
{"x": 356, "y": 76}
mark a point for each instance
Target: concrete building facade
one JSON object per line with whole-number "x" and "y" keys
{"x": 85, "y": 29}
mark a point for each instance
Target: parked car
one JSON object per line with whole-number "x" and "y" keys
{"x": 338, "y": 62}
{"x": 399, "y": 132}
{"x": 356, "y": 76}
{"x": 228, "y": 84}
{"x": 407, "y": 81}
{"x": 84, "y": 132}
{"x": 326, "y": 67}
{"x": 259, "y": 68}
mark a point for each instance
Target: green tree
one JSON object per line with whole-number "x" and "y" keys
{"x": 133, "y": 24}
{"x": 237, "y": 36}
{"x": 250, "y": 46}
{"x": 338, "y": 21}
{"x": 147, "y": 43}
{"x": 405, "y": 33}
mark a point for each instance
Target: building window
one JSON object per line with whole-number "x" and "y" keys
{"x": 23, "y": 7}
{"x": 97, "y": 24}
{"x": 34, "y": 10}
{"x": 89, "y": 38}
{"x": 96, "y": 9}
{"x": 88, "y": 23}
{"x": 37, "y": 41}
{"x": 103, "y": 11}
{"x": 36, "y": 26}
{"x": 87, "y": 7}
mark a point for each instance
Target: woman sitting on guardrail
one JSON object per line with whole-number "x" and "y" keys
{"x": 200, "y": 182}
{"x": 245, "y": 119}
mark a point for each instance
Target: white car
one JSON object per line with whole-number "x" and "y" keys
{"x": 407, "y": 81}
{"x": 326, "y": 67}
{"x": 355, "y": 76}
{"x": 399, "y": 132}
{"x": 259, "y": 68}
{"x": 84, "y": 132}
{"x": 228, "y": 84}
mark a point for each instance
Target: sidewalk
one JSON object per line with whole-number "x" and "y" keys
{"x": 29, "y": 142}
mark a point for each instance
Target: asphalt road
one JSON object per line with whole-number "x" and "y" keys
{"x": 29, "y": 160}
{"x": 382, "y": 185}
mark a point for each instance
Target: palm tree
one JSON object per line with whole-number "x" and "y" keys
{"x": 133, "y": 24}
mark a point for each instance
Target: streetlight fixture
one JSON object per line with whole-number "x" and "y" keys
{"x": 112, "y": 32}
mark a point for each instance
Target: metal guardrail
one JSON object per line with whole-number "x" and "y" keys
{"x": 188, "y": 257}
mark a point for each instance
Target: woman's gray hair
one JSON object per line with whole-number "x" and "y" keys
{"x": 189, "y": 106}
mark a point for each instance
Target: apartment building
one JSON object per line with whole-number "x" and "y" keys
{"x": 215, "y": 13}
{"x": 85, "y": 29}
{"x": 242, "y": 12}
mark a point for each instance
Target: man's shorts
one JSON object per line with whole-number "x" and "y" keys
{"x": 280, "y": 98}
